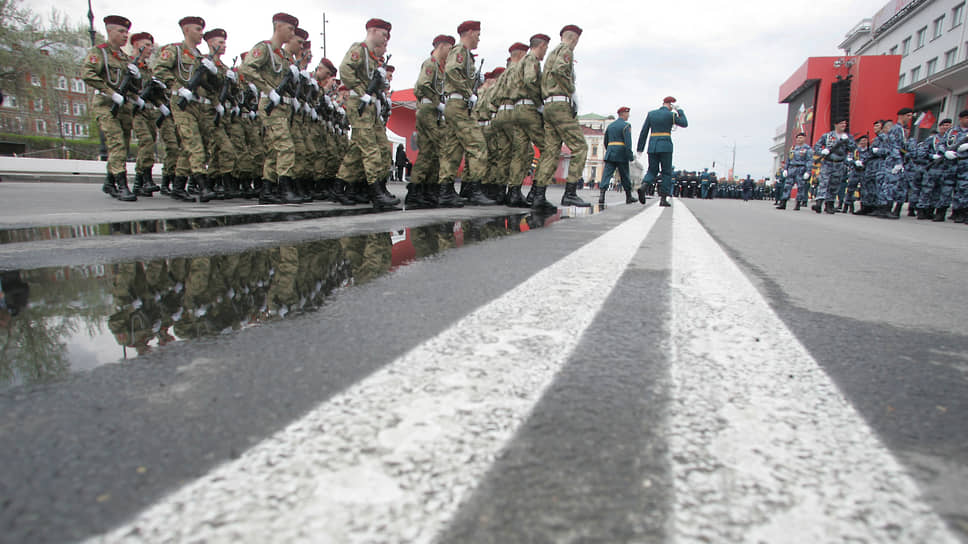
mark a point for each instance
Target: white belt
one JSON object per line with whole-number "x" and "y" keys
{"x": 557, "y": 98}
{"x": 506, "y": 107}
{"x": 527, "y": 101}
{"x": 456, "y": 96}
{"x": 204, "y": 100}
{"x": 353, "y": 93}
{"x": 484, "y": 123}
{"x": 283, "y": 99}
{"x": 426, "y": 101}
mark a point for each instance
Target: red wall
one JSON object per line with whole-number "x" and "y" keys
{"x": 403, "y": 121}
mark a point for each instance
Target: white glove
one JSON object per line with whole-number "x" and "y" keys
{"x": 541, "y": 108}
{"x": 232, "y": 75}
{"x": 186, "y": 94}
{"x": 252, "y": 115}
{"x": 313, "y": 115}
{"x": 785, "y": 173}
{"x": 305, "y": 74}
{"x": 860, "y": 164}
{"x": 254, "y": 89}
{"x": 963, "y": 147}
{"x": 472, "y": 101}
{"x": 897, "y": 168}
{"x": 366, "y": 99}
{"x": 950, "y": 155}
{"x": 875, "y": 150}
{"x": 295, "y": 104}
{"x": 117, "y": 99}
{"x": 220, "y": 109}
{"x": 440, "y": 107}
{"x": 159, "y": 83}
{"x": 133, "y": 70}
{"x": 314, "y": 83}
{"x": 164, "y": 110}
{"x": 274, "y": 97}
{"x": 825, "y": 152}
{"x": 935, "y": 157}
{"x": 294, "y": 69}
{"x": 305, "y": 108}
{"x": 843, "y": 136}
{"x": 210, "y": 66}
{"x": 638, "y": 154}
{"x": 806, "y": 175}
{"x": 383, "y": 72}
{"x": 329, "y": 101}
{"x": 140, "y": 103}
{"x": 235, "y": 110}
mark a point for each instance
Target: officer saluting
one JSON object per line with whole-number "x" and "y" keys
{"x": 660, "y": 123}
{"x": 618, "y": 154}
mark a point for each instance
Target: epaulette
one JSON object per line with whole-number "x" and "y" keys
{"x": 102, "y": 45}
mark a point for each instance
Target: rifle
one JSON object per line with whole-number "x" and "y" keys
{"x": 376, "y": 85}
{"x": 154, "y": 92}
{"x": 285, "y": 88}
{"x": 226, "y": 93}
{"x": 198, "y": 79}
{"x": 124, "y": 89}
{"x": 477, "y": 85}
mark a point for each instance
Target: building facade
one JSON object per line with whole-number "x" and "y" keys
{"x": 55, "y": 105}
{"x": 593, "y": 127}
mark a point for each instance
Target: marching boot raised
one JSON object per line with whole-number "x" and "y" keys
{"x": 571, "y": 198}
{"x": 664, "y": 202}
{"x": 379, "y": 199}
{"x": 124, "y": 194}
{"x": 540, "y": 204}
{"x": 110, "y": 187}
{"x": 782, "y": 205}
{"x": 828, "y": 206}
{"x": 205, "y": 192}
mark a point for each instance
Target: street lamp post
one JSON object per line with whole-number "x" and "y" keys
{"x": 323, "y": 34}
{"x": 103, "y": 150}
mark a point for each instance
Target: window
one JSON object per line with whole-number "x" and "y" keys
{"x": 67, "y": 128}
{"x": 900, "y": 81}
{"x": 594, "y": 173}
{"x": 66, "y": 108}
{"x": 950, "y": 57}
{"x": 9, "y": 101}
{"x": 893, "y": 51}
{"x": 915, "y": 74}
{"x": 957, "y": 14}
{"x": 40, "y": 125}
{"x": 938, "y": 28}
{"x": 932, "y": 66}
{"x": 80, "y": 108}
{"x": 594, "y": 151}
{"x": 77, "y": 85}
{"x": 79, "y": 129}
{"x": 61, "y": 83}
{"x": 35, "y": 81}
{"x": 39, "y": 104}
{"x": 906, "y": 46}
{"x": 920, "y": 37}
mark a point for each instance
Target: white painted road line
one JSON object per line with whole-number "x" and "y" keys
{"x": 763, "y": 446}
{"x": 389, "y": 459}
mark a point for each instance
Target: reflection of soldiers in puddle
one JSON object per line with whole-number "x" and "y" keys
{"x": 302, "y": 275}
{"x": 208, "y": 307}
{"x": 369, "y": 255}
{"x": 136, "y": 311}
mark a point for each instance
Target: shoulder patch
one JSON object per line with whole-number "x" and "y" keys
{"x": 257, "y": 52}
{"x": 92, "y": 59}
{"x": 165, "y": 54}
{"x": 430, "y": 72}
{"x": 460, "y": 58}
{"x": 567, "y": 57}
{"x": 355, "y": 55}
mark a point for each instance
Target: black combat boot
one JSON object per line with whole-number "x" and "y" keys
{"x": 430, "y": 193}
{"x": 849, "y": 207}
{"x": 382, "y": 186}
{"x": 150, "y": 184}
{"x": 571, "y": 198}
{"x": 447, "y": 196}
{"x": 380, "y": 199}
{"x": 359, "y": 193}
{"x": 601, "y": 194}
{"x": 924, "y": 213}
{"x": 465, "y": 188}
{"x": 515, "y": 198}
{"x": 641, "y": 193}
{"x": 166, "y": 184}
{"x": 414, "y": 199}
{"x": 664, "y": 202}
{"x": 939, "y": 214}
{"x": 881, "y": 211}
{"x": 782, "y": 205}
{"x": 798, "y": 206}
{"x": 124, "y": 194}
{"x": 110, "y": 187}
{"x": 341, "y": 193}
{"x": 287, "y": 194}
{"x": 217, "y": 185}
{"x": 268, "y": 194}
{"x": 139, "y": 183}
{"x": 828, "y": 206}
{"x": 540, "y": 204}
{"x": 896, "y": 211}
{"x": 629, "y": 199}
{"x": 817, "y": 206}
{"x": 501, "y": 194}
{"x": 178, "y": 191}
{"x": 475, "y": 195}
{"x": 912, "y": 209}
{"x": 232, "y": 187}
{"x": 205, "y": 192}
{"x": 958, "y": 216}
{"x": 319, "y": 190}
{"x": 530, "y": 198}
{"x": 865, "y": 209}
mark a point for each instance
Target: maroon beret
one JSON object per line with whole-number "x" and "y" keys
{"x": 215, "y": 33}
{"x": 444, "y": 38}
{"x": 343, "y": 88}
{"x": 668, "y": 100}
{"x": 117, "y": 20}
{"x": 391, "y": 68}
{"x": 302, "y": 33}
{"x": 623, "y": 109}
{"x": 517, "y": 46}
{"x": 489, "y": 75}
{"x": 467, "y": 26}
{"x": 378, "y": 23}
{"x": 142, "y": 36}
{"x": 285, "y": 18}
{"x": 329, "y": 66}
{"x": 573, "y": 28}
{"x": 192, "y": 21}
{"x": 498, "y": 71}
{"x": 539, "y": 36}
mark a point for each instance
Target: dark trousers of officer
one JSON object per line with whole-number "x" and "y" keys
{"x": 623, "y": 172}
{"x": 665, "y": 161}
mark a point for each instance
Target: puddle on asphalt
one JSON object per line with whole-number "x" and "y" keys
{"x": 55, "y": 321}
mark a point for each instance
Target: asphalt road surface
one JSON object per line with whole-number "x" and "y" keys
{"x": 716, "y": 371}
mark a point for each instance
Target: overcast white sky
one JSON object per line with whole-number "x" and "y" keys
{"x": 723, "y": 61}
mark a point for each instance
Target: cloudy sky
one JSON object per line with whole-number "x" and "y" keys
{"x": 723, "y": 61}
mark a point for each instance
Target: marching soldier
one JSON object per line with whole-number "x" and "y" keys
{"x": 561, "y": 123}
{"x": 618, "y": 154}
{"x": 300, "y": 56}
{"x": 177, "y": 66}
{"x": 423, "y": 188}
{"x": 525, "y": 82}
{"x": 144, "y": 120}
{"x": 251, "y": 124}
{"x": 463, "y": 134}
{"x": 482, "y": 114}
{"x": 660, "y": 123}
{"x": 510, "y": 147}
{"x": 223, "y": 156}
{"x": 891, "y": 150}
{"x": 932, "y": 150}
{"x": 104, "y": 70}
{"x": 797, "y": 172}
{"x": 363, "y": 163}
{"x": 326, "y": 130}
{"x": 832, "y": 148}
{"x": 266, "y": 66}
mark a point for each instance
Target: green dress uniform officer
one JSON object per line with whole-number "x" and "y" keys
{"x": 423, "y": 189}
{"x": 618, "y": 154}
{"x": 364, "y": 163}
{"x": 463, "y": 136}
{"x": 660, "y": 123}
{"x": 561, "y": 124}
{"x": 265, "y": 66}
{"x": 177, "y": 64}
{"x": 143, "y": 123}
{"x": 104, "y": 70}
{"x": 525, "y": 83}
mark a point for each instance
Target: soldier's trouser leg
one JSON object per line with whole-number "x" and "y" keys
{"x": 428, "y": 134}
{"x": 144, "y": 130}
{"x": 623, "y": 172}
{"x": 959, "y": 196}
{"x": 502, "y": 130}
{"x": 831, "y": 174}
{"x": 243, "y": 159}
{"x": 333, "y": 157}
{"x": 868, "y": 187}
{"x": 278, "y": 141}
{"x": 886, "y": 185}
{"x": 380, "y": 169}
{"x": 607, "y": 172}
{"x": 562, "y": 127}
{"x": 467, "y": 140}
{"x": 930, "y": 188}
{"x": 531, "y": 131}
{"x": 653, "y": 172}
{"x": 363, "y": 160}
{"x": 117, "y": 135}
{"x": 224, "y": 153}
{"x": 913, "y": 187}
{"x": 195, "y": 130}
{"x": 169, "y": 136}
{"x": 301, "y": 165}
